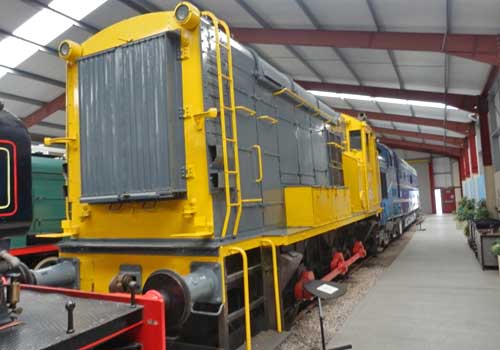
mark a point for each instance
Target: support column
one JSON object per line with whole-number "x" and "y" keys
{"x": 466, "y": 162}
{"x": 473, "y": 151}
{"x": 461, "y": 172}
{"x": 431, "y": 183}
{"x": 466, "y": 169}
{"x": 489, "y": 171}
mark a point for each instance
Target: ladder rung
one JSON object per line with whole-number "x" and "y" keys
{"x": 224, "y": 46}
{"x": 228, "y": 139}
{"x": 235, "y": 204}
{"x": 232, "y": 172}
{"x": 227, "y": 77}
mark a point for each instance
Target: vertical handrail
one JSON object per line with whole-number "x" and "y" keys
{"x": 276, "y": 284}
{"x": 234, "y": 137}
{"x": 259, "y": 157}
{"x": 234, "y": 126}
{"x": 246, "y": 295}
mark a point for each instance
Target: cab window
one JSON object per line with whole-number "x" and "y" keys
{"x": 355, "y": 139}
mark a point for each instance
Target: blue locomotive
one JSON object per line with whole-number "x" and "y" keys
{"x": 400, "y": 196}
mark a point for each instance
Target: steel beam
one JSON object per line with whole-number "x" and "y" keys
{"x": 47, "y": 109}
{"x": 454, "y": 141}
{"x": 22, "y": 99}
{"x": 317, "y": 24}
{"x": 492, "y": 76}
{"x": 264, "y": 23}
{"x": 52, "y": 125}
{"x": 464, "y": 102}
{"x": 462, "y": 128}
{"x": 421, "y": 147}
{"x": 33, "y": 76}
{"x": 479, "y": 47}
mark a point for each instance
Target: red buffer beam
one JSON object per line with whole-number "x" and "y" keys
{"x": 478, "y": 47}
{"x": 462, "y": 128}
{"x": 455, "y": 141}
{"x": 452, "y": 152}
{"x": 464, "y": 102}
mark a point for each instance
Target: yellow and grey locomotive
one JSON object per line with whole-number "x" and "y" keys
{"x": 199, "y": 170}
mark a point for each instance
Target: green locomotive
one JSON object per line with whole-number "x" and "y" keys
{"x": 48, "y": 210}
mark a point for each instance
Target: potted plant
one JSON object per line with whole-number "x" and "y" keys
{"x": 481, "y": 211}
{"x": 495, "y": 250}
{"x": 459, "y": 213}
{"x": 468, "y": 214}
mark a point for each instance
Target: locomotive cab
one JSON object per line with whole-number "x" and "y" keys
{"x": 15, "y": 176}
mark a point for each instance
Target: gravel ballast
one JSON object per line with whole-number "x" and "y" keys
{"x": 305, "y": 334}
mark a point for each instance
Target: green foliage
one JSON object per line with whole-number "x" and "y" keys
{"x": 495, "y": 248}
{"x": 466, "y": 209}
{"x": 481, "y": 211}
{"x": 467, "y": 230}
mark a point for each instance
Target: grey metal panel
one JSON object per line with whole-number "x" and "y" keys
{"x": 305, "y": 157}
{"x": 294, "y": 150}
{"x": 288, "y": 148}
{"x": 305, "y": 94}
{"x": 270, "y": 74}
{"x": 327, "y": 109}
{"x": 320, "y": 153}
{"x": 132, "y": 138}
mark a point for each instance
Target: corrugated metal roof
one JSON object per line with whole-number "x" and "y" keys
{"x": 412, "y": 70}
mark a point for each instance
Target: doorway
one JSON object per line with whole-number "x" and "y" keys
{"x": 437, "y": 199}
{"x": 447, "y": 196}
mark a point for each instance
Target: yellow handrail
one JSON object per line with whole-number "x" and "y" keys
{"x": 303, "y": 102}
{"x": 53, "y": 140}
{"x": 268, "y": 118}
{"x": 234, "y": 137}
{"x": 246, "y": 109}
{"x": 276, "y": 284}
{"x": 252, "y": 200}
{"x": 246, "y": 295}
{"x": 259, "y": 156}
{"x": 335, "y": 144}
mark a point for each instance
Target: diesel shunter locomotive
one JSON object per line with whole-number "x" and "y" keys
{"x": 198, "y": 170}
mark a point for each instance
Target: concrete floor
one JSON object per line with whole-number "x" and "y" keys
{"x": 434, "y": 296}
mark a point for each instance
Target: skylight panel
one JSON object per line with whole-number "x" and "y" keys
{"x": 429, "y": 104}
{"x": 356, "y": 97}
{"x": 42, "y": 28}
{"x": 324, "y": 93}
{"x": 14, "y": 51}
{"x": 382, "y": 99}
{"x": 397, "y": 101}
{"x": 76, "y": 9}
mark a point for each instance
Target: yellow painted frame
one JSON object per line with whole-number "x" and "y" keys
{"x": 182, "y": 218}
